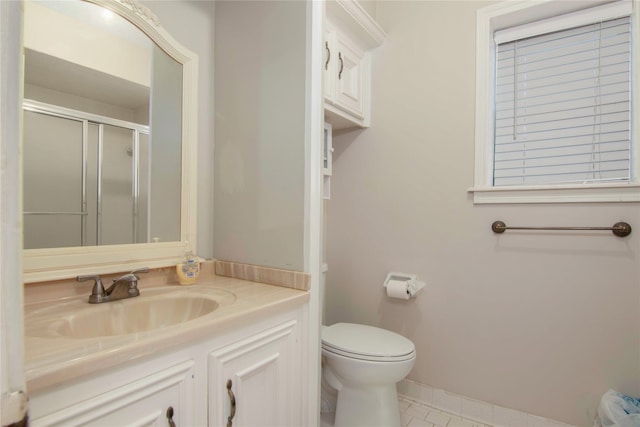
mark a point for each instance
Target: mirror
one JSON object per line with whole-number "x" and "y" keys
{"x": 109, "y": 140}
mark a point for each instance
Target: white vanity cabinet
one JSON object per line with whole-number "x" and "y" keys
{"x": 256, "y": 381}
{"x": 350, "y": 37}
{"x": 264, "y": 359}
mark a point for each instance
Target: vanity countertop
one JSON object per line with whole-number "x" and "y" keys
{"x": 52, "y": 360}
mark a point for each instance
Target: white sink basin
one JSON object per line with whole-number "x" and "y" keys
{"x": 150, "y": 311}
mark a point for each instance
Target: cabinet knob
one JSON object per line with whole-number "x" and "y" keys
{"x": 170, "y": 416}
{"x": 232, "y": 401}
{"x": 326, "y": 46}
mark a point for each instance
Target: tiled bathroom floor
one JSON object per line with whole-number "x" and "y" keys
{"x": 413, "y": 414}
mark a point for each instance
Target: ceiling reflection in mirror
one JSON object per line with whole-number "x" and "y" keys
{"x": 102, "y": 130}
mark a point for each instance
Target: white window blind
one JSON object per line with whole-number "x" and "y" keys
{"x": 562, "y": 106}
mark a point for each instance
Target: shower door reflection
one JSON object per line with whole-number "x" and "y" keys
{"x": 53, "y": 213}
{"x": 86, "y": 182}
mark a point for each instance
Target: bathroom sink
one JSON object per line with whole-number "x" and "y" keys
{"x": 81, "y": 320}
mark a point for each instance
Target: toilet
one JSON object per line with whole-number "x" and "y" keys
{"x": 363, "y": 364}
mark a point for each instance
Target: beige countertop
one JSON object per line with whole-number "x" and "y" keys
{"x": 51, "y": 360}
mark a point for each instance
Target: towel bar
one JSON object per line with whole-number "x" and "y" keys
{"x": 620, "y": 229}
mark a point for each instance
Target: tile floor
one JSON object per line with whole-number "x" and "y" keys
{"x": 413, "y": 414}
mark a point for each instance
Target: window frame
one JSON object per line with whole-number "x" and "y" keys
{"x": 510, "y": 14}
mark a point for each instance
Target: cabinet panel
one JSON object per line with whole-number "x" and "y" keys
{"x": 350, "y": 77}
{"x": 262, "y": 373}
{"x": 140, "y": 403}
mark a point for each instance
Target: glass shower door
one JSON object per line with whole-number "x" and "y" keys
{"x": 87, "y": 186}
{"x": 52, "y": 181}
{"x": 116, "y": 191}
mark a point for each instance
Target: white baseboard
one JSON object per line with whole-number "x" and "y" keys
{"x": 475, "y": 410}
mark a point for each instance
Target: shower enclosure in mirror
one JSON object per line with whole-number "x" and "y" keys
{"x": 86, "y": 179}
{"x": 102, "y": 130}
{"x": 109, "y": 140}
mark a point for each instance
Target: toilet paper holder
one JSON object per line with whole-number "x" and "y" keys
{"x": 413, "y": 286}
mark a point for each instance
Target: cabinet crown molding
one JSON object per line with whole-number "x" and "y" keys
{"x": 353, "y": 16}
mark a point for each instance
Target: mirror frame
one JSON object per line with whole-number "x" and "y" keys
{"x": 60, "y": 263}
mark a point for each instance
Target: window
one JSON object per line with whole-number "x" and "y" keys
{"x": 554, "y": 104}
{"x": 562, "y": 106}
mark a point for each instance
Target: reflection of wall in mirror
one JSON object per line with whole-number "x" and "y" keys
{"x": 166, "y": 154}
{"x": 81, "y": 43}
{"x": 54, "y": 97}
{"x": 71, "y": 62}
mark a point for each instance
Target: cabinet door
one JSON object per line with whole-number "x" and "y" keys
{"x": 329, "y": 64}
{"x": 141, "y": 403}
{"x": 349, "y": 77}
{"x": 263, "y": 374}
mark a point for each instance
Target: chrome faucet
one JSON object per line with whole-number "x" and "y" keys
{"x": 125, "y": 286}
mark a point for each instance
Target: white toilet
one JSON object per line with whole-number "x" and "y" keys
{"x": 363, "y": 364}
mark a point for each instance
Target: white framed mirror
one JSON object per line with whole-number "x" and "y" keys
{"x": 118, "y": 190}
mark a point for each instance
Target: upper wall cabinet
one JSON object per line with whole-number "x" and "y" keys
{"x": 351, "y": 35}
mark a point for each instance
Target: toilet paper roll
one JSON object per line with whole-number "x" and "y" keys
{"x": 397, "y": 289}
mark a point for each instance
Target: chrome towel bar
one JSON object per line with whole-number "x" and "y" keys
{"x": 620, "y": 229}
{"x": 55, "y": 213}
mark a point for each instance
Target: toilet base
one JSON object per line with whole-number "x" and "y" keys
{"x": 367, "y": 407}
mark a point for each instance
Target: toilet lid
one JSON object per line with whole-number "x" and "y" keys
{"x": 363, "y": 340}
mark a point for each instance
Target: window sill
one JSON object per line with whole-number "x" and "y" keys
{"x": 595, "y": 193}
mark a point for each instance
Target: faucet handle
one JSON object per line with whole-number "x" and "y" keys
{"x": 98, "y": 289}
{"x": 140, "y": 270}
{"x": 97, "y": 293}
{"x": 133, "y": 278}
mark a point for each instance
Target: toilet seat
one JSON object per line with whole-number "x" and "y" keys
{"x": 366, "y": 343}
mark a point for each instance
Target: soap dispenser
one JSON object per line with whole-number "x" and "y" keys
{"x": 188, "y": 269}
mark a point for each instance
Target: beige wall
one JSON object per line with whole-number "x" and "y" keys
{"x": 369, "y": 6}
{"x": 540, "y": 322}
{"x": 260, "y": 104}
